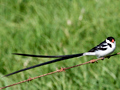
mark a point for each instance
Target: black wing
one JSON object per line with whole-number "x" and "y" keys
{"x": 101, "y": 46}
{"x": 41, "y": 64}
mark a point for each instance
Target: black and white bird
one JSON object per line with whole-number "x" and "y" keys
{"x": 103, "y": 49}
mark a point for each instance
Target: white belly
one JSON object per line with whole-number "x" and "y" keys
{"x": 101, "y": 53}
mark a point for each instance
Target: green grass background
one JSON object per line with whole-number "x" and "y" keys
{"x": 58, "y": 27}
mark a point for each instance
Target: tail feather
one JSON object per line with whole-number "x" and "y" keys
{"x": 56, "y": 60}
{"x": 45, "y": 56}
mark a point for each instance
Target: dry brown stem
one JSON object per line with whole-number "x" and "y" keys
{"x": 60, "y": 70}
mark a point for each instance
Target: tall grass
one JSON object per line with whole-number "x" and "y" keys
{"x": 61, "y": 27}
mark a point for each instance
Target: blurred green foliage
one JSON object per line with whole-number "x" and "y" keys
{"x": 58, "y": 27}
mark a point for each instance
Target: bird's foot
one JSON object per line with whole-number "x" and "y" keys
{"x": 103, "y": 58}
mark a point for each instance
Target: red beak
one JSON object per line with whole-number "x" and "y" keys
{"x": 112, "y": 40}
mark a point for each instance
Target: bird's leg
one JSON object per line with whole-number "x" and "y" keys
{"x": 108, "y": 57}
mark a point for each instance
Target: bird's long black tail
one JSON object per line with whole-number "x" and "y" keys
{"x": 44, "y": 56}
{"x": 60, "y": 59}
